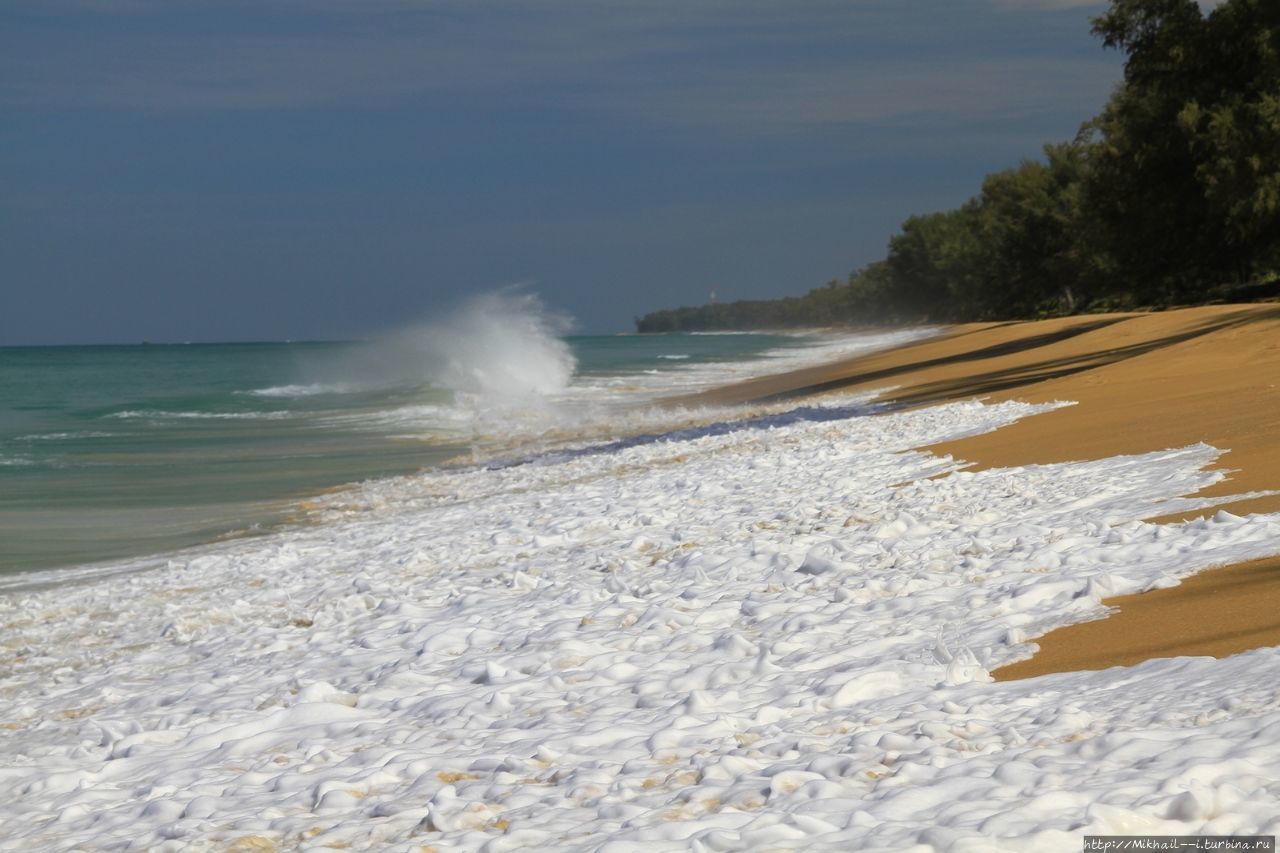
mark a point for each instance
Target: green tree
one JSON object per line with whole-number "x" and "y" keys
{"x": 1039, "y": 250}
{"x": 1171, "y": 194}
{"x": 1233, "y": 128}
{"x": 1187, "y": 176}
{"x": 1143, "y": 187}
{"x": 934, "y": 264}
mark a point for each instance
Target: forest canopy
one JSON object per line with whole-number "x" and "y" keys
{"x": 1171, "y": 195}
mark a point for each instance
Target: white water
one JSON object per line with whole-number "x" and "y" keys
{"x": 311, "y": 389}
{"x": 772, "y": 633}
{"x": 160, "y": 415}
{"x": 499, "y": 346}
{"x": 513, "y": 385}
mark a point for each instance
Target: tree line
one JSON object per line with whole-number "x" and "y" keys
{"x": 1171, "y": 195}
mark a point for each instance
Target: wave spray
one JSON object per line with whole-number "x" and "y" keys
{"x": 503, "y": 345}
{"x": 498, "y": 348}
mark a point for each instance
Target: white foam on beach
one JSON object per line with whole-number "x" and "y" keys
{"x": 769, "y": 634}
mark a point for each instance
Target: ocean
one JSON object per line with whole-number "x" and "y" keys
{"x": 109, "y": 452}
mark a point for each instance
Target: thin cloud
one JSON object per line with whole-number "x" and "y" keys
{"x": 1051, "y": 5}
{"x": 742, "y": 66}
{"x": 888, "y": 92}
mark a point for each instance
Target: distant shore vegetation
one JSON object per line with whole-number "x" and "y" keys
{"x": 1170, "y": 196}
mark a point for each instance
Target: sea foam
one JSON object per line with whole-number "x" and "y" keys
{"x": 161, "y": 415}
{"x": 312, "y": 389}
{"x": 766, "y": 634}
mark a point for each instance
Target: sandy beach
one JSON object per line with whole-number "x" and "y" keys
{"x": 1141, "y": 382}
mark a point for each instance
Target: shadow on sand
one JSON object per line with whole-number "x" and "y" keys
{"x": 979, "y": 383}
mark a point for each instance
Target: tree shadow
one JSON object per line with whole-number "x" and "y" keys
{"x": 1022, "y": 374}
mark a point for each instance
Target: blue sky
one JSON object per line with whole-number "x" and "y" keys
{"x": 287, "y": 169}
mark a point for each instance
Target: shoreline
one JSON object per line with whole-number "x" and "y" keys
{"x": 1140, "y": 382}
{"x": 342, "y": 426}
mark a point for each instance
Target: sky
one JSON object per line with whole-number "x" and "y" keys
{"x": 178, "y": 170}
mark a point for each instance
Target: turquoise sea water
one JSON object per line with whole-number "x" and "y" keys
{"x": 117, "y": 451}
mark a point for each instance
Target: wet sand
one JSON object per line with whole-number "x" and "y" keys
{"x": 1143, "y": 382}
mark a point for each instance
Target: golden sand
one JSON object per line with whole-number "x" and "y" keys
{"x": 1143, "y": 382}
